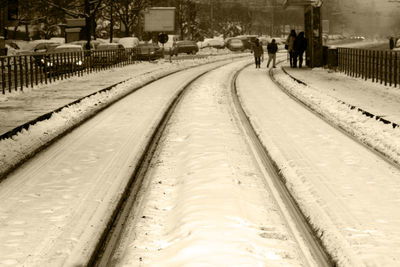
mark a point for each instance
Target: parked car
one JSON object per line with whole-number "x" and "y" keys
{"x": 82, "y": 43}
{"x": 214, "y": 43}
{"x": 109, "y": 53}
{"x": 148, "y": 51}
{"x": 73, "y": 58}
{"x": 12, "y": 48}
{"x": 188, "y": 47}
{"x": 235, "y": 44}
{"x": 41, "y": 52}
{"x": 129, "y": 42}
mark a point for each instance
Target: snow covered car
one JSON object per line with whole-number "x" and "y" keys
{"x": 188, "y": 47}
{"x": 214, "y": 43}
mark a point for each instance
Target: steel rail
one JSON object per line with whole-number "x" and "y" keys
{"x": 103, "y": 253}
{"x": 307, "y": 237}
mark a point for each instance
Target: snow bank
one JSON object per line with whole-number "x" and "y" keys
{"x": 384, "y": 138}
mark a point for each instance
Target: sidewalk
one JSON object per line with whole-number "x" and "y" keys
{"x": 17, "y": 108}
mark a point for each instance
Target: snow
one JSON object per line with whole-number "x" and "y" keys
{"x": 350, "y": 195}
{"x": 208, "y": 205}
{"x": 63, "y": 207}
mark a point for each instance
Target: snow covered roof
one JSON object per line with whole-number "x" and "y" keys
{"x": 293, "y": 3}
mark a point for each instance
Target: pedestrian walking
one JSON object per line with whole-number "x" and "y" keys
{"x": 300, "y": 45}
{"x": 258, "y": 53}
{"x": 272, "y": 48}
{"x": 391, "y": 43}
{"x": 290, "y": 46}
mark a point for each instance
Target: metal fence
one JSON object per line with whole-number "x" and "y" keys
{"x": 377, "y": 65}
{"x": 19, "y": 72}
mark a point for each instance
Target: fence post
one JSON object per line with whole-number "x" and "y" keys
{"x": 3, "y": 78}
{"x": 21, "y": 73}
{"x": 15, "y": 73}
{"x": 385, "y": 69}
{"x": 395, "y": 74}
{"x": 363, "y": 64}
{"x": 366, "y": 58}
{"x": 369, "y": 63}
{"x": 353, "y": 63}
{"x": 26, "y": 71}
{"x": 390, "y": 68}
{"x": 9, "y": 74}
{"x": 31, "y": 69}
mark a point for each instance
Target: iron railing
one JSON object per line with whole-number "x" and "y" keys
{"x": 378, "y": 65}
{"x": 19, "y": 72}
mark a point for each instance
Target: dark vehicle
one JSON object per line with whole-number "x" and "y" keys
{"x": 248, "y": 41}
{"x": 72, "y": 58}
{"x": 188, "y": 47}
{"x": 107, "y": 53}
{"x": 235, "y": 44}
{"x": 40, "y": 53}
{"x": 148, "y": 51}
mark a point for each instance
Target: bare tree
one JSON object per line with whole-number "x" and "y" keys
{"x": 87, "y": 9}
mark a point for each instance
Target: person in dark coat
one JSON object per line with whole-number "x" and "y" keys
{"x": 272, "y": 48}
{"x": 258, "y": 52}
{"x": 391, "y": 43}
{"x": 290, "y": 48}
{"x": 300, "y": 45}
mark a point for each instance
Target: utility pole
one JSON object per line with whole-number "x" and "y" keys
{"x": 88, "y": 20}
{"x": 111, "y": 23}
{"x": 211, "y": 18}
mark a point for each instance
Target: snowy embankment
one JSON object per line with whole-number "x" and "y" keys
{"x": 381, "y": 137}
{"x": 26, "y": 143}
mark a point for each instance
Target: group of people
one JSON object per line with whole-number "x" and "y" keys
{"x": 296, "y": 45}
{"x": 258, "y": 52}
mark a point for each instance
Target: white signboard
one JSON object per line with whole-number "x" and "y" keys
{"x": 159, "y": 19}
{"x": 325, "y": 26}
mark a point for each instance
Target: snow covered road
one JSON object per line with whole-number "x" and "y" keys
{"x": 350, "y": 194}
{"x": 54, "y": 208}
{"x": 207, "y": 203}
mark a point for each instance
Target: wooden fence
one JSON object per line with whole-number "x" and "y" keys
{"x": 378, "y": 65}
{"x": 19, "y": 72}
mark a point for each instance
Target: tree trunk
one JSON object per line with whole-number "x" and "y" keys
{"x": 88, "y": 21}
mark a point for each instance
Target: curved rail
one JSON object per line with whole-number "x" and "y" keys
{"x": 103, "y": 253}
{"x": 303, "y": 231}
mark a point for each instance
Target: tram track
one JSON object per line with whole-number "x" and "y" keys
{"x": 307, "y": 236}
{"x": 102, "y": 255}
{"x": 312, "y": 248}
